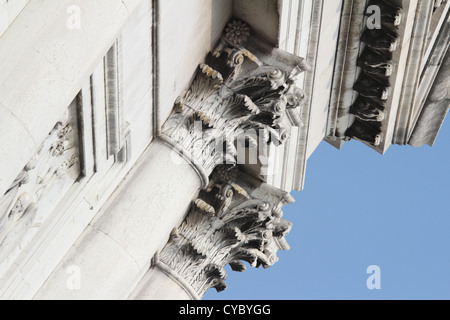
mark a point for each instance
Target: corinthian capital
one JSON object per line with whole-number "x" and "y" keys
{"x": 236, "y": 218}
{"x": 242, "y": 91}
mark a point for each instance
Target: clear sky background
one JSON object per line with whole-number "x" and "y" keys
{"x": 360, "y": 209}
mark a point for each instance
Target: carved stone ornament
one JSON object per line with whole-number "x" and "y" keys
{"x": 373, "y": 84}
{"x": 236, "y": 218}
{"x": 243, "y": 86}
{"x": 438, "y": 3}
{"x": 37, "y": 189}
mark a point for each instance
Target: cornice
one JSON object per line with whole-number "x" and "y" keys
{"x": 373, "y": 84}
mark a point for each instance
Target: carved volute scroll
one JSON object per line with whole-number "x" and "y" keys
{"x": 238, "y": 96}
{"x": 244, "y": 85}
{"x": 38, "y": 188}
{"x": 373, "y": 84}
{"x": 236, "y": 218}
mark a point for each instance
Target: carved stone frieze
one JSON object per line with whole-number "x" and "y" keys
{"x": 239, "y": 88}
{"x": 37, "y": 189}
{"x": 236, "y": 218}
{"x": 367, "y": 109}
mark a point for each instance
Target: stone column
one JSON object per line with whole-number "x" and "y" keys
{"x": 238, "y": 97}
{"x": 237, "y": 217}
{"x": 238, "y": 100}
{"x": 115, "y": 250}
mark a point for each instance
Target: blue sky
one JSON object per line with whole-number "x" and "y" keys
{"x": 360, "y": 209}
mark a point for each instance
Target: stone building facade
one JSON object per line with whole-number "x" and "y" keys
{"x": 146, "y": 144}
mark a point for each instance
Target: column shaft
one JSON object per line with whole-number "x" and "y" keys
{"x": 114, "y": 252}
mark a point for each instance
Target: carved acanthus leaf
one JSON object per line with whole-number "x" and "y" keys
{"x": 233, "y": 92}
{"x": 236, "y": 218}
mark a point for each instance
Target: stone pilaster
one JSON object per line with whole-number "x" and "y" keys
{"x": 239, "y": 97}
{"x": 244, "y": 84}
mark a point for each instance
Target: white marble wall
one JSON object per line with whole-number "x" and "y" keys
{"x": 188, "y": 30}
{"x": 9, "y": 9}
{"x": 49, "y": 58}
{"x": 136, "y": 77}
{"x": 261, "y": 15}
{"x": 53, "y": 62}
